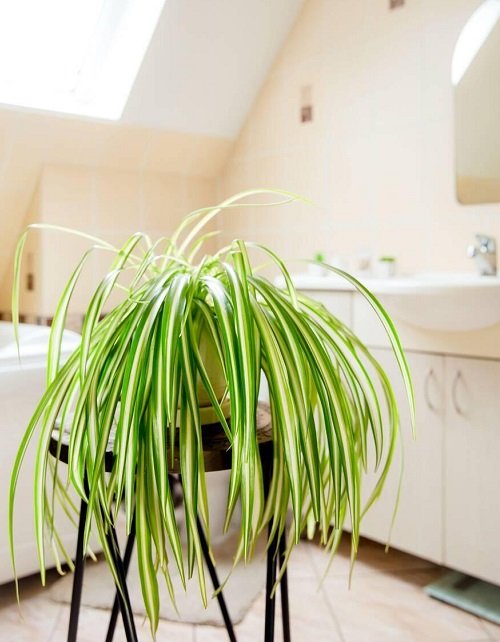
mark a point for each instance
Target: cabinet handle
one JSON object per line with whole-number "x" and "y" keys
{"x": 454, "y": 387}
{"x": 429, "y": 376}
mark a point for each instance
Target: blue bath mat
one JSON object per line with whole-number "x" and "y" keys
{"x": 468, "y": 593}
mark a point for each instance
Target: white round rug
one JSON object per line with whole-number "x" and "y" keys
{"x": 241, "y": 590}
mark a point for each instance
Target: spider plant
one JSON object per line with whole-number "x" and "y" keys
{"x": 191, "y": 333}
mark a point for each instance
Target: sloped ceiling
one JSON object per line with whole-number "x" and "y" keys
{"x": 28, "y": 141}
{"x": 201, "y": 73}
{"x": 206, "y": 63}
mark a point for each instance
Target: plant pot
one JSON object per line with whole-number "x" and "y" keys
{"x": 215, "y": 372}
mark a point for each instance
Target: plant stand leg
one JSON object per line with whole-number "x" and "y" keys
{"x": 126, "y": 563}
{"x": 215, "y": 582}
{"x": 272, "y": 559}
{"x": 285, "y": 607}
{"x": 123, "y": 596}
{"x": 76, "y": 595}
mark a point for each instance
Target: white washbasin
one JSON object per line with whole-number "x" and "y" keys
{"x": 434, "y": 301}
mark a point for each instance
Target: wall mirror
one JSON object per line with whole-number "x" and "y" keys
{"x": 476, "y": 86}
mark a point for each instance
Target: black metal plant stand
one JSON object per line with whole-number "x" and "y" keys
{"x": 217, "y": 457}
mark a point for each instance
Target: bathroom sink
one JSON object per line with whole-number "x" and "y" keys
{"x": 434, "y": 301}
{"x": 446, "y": 302}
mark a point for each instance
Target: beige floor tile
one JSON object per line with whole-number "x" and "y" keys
{"x": 169, "y": 631}
{"x": 211, "y": 634}
{"x": 301, "y": 564}
{"x": 310, "y": 616}
{"x": 372, "y": 558}
{"x": 37, "y": 617}
{"x": 493, "y": 630}
{"x": 252, "y": 627}
{"x": 93, "y": 624}
{"x": 386, "y": 604}
{"x": 37, "y": 622}
{"x": 383, "y": 608}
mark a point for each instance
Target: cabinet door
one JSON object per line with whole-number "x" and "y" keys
{"x": 472, "y": 467}
{"x": 418, "y": 525}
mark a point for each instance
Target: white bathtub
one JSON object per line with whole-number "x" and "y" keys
{"x": 33, "y": 340}
{"x": 22, "y": 384}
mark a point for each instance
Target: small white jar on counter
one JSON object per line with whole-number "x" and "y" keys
{"x": 385, "y": 267}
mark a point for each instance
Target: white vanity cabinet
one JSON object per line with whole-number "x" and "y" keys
{"x": 449, "y": 508}
{"x": 472, "y": 467}
{"x": 338, "y": 303}
{"x": 418, "y": 527}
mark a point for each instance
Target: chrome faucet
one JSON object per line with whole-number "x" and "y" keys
{"x": 485, "y": 254}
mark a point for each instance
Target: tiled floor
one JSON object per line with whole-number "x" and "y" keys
{"x": 385, "y": 604}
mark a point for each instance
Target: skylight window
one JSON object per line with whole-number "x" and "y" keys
{"x": 73, "y": 56}
{"x": 473, "y": 36}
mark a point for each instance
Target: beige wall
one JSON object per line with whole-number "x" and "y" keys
{"x": 109, "y": 204}
{"x": 31, "y": 267}
{"x": 378, "y": 157}
{"x": 30, "y": 142}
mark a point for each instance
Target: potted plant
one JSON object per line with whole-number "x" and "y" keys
{"x": 315, "y": 268}
{"x": 190, "y": 341}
